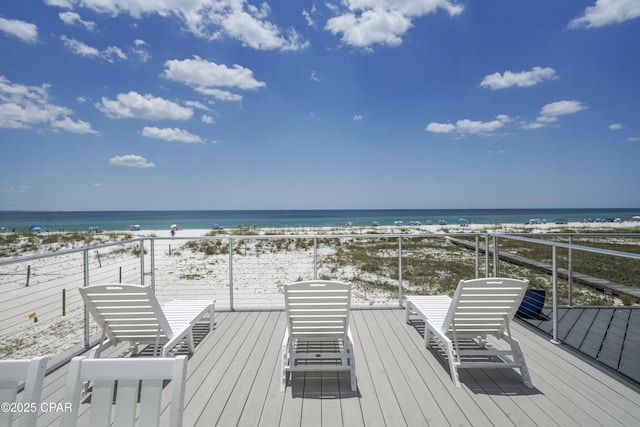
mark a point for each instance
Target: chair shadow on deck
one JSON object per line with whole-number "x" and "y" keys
{"x": 200, "y": 331}
{"x": 324, "y": 385}
{"x": 503, "y": 382}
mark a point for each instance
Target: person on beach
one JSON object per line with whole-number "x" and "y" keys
{"x": 173, "y": 232}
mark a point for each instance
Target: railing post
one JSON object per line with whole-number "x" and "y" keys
{"x": 477, "y": 255}
{"x": 152, "y": 242}
{"x": 231, "y": 273}
{"x": 486, "y": 255}
{"x": 85, "y": 262}
{"x": 142, "y": 263}
{"x": 554, "y": 302}
{"x": 570, "y": 275}
{"x": 496, "y": 257}
{"x": 315, "y": 258}
{"x": 400, "y": 271}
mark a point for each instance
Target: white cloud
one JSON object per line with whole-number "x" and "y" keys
{"x": 80, "y": 48}
{"x": 134, "y": 105}
{"x": 66, "y": 4}
{"x": 69, "y": 125}
{"x": 307, "y": 16}
{"x": 207, "y": 119}
{"x": 363, "y": 23}
{"x": 132, "y": 161}
{"x": 23, "y": 106}
{"x": 550, "y": 113}
{"x": 200, "y": 72}
{"x": 633, "y": 139}
{"x": 466, "y": 126}
{"x": 25, "y": 31}
{"x": 440, "y": 127}
{"x": 252, "y": 31}
{"x": 314, "y": 77}
{"x": 380, "y": 26}
{"x": 172, "y": 134}
{"x": 521, "y": 79}
{"x": 616, "y": 126}
{"x": 222, "y": 95}
{"x": 72, "y": 18}
{"x": 207, "y": 77}
{"x": 113, "y": 51}
{"x": 479, "y": 128}
{"x": 358, "y": 117}
{"x": 210, "y": 19}
{"x": 561, "y": 108}
{"x": 197, "y": 104}
{"x": 606, "y": 12}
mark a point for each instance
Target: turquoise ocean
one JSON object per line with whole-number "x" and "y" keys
{"x": 203, "y": 219}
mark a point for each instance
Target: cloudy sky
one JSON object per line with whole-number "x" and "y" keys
{"x": 235, "y": 104}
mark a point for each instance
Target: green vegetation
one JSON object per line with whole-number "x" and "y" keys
{"x": 434, "y": 265}
{"x": 18, "y": 244}
{"x": 429, "y": 265}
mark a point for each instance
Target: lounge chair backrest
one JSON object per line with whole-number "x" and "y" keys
{"x": 130, "y": 311}
{"x": 12, "y": 374}
{"x": 139, "y": 380}
{"x": 318, "y": 308}
{"x": 484, "y": 306}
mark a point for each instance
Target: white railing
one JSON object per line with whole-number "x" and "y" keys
{"x": 41, "y": 311}
{"x": 632, "y": 290}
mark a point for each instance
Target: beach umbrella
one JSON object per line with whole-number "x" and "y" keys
{"x": 37, "y": 228}
{"x": 174, "y": 226}
{"x": 463, "y": 221}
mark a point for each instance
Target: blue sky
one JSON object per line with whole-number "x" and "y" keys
{"x": 233, "y": 104}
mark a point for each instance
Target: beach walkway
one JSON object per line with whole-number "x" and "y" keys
{"x": 594, "y": 282}
{"x": 234, "y": 379}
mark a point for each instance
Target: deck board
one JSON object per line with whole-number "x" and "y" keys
{"x": 234, "y": 379}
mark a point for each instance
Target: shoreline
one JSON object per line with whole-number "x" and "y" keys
{"x": 389, "y": 229}
{"x": 286, "y": 219}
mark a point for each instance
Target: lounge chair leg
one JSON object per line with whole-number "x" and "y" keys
{"x": 284, "y": 362}
{"x": 519, "y": 358}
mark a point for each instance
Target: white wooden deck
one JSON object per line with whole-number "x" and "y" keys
{"x": 233, "y": 380}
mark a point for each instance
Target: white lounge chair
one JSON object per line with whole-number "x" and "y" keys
{"x": 138, "y": 380}
{"x": 131, "y": 313}
{"x": 12, "y": 374}
{"x": 479, "y": 308}
{"x": 317, "y": 337}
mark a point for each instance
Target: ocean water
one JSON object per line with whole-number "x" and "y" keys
{"x": 199, "y": 219}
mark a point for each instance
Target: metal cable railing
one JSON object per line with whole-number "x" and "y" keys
{"x": 245, "y": 272}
